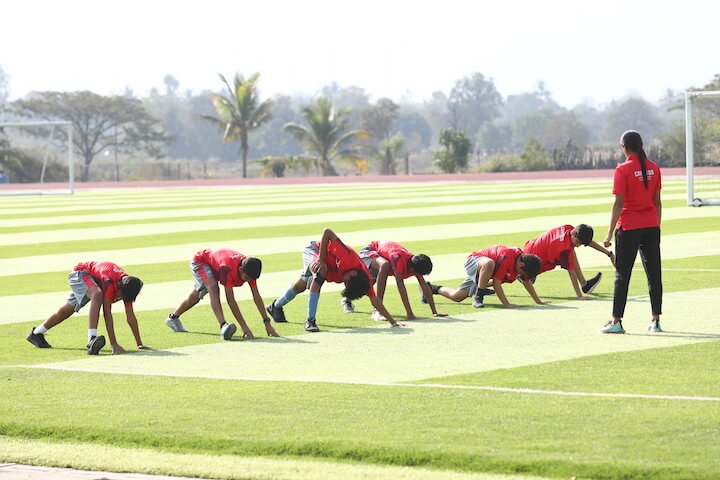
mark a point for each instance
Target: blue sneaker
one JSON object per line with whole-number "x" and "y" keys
{"x": 612, "y": 328}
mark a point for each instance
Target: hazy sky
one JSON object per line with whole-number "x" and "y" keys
{"x": 600, "y": 50}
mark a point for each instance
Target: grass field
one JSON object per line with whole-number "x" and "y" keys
{"x": 534, "y": 392}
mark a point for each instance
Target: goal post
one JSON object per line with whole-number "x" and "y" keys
{"x": 44, "y": 141}
{"x": 702, "y": 147}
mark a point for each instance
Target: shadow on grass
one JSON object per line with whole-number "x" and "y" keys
{"x": 671, "y": 334}
{"x": 375, "y": 330}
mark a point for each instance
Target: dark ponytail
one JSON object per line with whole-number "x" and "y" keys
{"x": 632, "y": 141}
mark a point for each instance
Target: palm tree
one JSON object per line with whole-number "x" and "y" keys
{"x": 326, "y": 134}
{"x": 240, "y": 112}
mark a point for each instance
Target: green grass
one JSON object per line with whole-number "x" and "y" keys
{"x": 251, "y": 429}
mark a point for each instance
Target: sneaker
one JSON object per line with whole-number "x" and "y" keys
{"x": 95, "y": 345}
{"x": 433, "y": 288}
{"x": 480, "y": 296}
{"x": 590, "y": 285}
{"x": 347, "y": 305}
{"x": 612, "y": 328}
{"x": 228, "y": 330}
{"x": 276, "y": 313}
{"x": 654, "y": 327}
{"x": 310, "y": 325}
{"x": 38, "y": 339}
{"x": 377, "y": 317}
{"x": 175, "y": 324}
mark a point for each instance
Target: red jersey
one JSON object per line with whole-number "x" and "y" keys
{"x": 224, "y": 264}
{"x": 107, "y": 275}
{"x": 504, "y": 258}
{"x": 639, "y": 209}
{"x": 340, "y": 259}
{"x": 554, "y": 248}
{"x": 398, "y": 256}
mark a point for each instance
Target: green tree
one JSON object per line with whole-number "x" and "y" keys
{"x": 453, "y": 157}
{"x": 632, "y": 114}
{"x": 474, "y": 101}
{"x": 493, "y": 138}
{"x": 240, "y": 112}
{"x": 99, "y": 123}
{"x": 4, "y": 80}
{"x": 378, "y": 120}
{"x": 326, "y": 135}
{"x": 534, "y": 157}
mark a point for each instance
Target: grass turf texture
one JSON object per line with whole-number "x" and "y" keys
{"x": 361, "y": 426}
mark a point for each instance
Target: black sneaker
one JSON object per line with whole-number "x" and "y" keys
{"x": 38, "y": 339}
{"x": 590, "y": 285}
{"x": 433, "y": 288}
{"x": 95, "y": 345}
{"x": 276, "y": 313}
{"x": 310, "y": 325}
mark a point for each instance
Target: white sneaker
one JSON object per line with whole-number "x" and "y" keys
{"x": 376, "y": 316}
{"x": 175, "y": 324}
{"x": 227, "y": 331}
{"x": 347, "y": 305}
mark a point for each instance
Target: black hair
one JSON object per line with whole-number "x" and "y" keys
{"x": 532, "y": 265}
{"x": 130, "y": 288}
{"x": 421, "y": 264}
{"x": 252, "y": 267}
{"x": 356, "y": 285}
{"x": 584, "y": 233}
{"x": 632, "y": 141}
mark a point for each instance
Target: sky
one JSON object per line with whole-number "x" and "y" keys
{"x": 584, "y": 51}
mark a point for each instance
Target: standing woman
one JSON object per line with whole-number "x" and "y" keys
{"x": 636, "y": 213}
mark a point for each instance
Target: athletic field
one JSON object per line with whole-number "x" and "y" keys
{"x": 533, "y": 392}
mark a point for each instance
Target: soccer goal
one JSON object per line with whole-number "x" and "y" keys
{"x": 36, "y": 158}
{"x": 702, "y": 144}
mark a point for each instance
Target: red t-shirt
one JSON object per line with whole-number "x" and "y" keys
{"x": 339, "y": 260}
{"x": 224, "y": 264}
{"x": 107, "y": 275}
{"x": 504, "y": 258}
{"x": 639, "y": 209}
{"x": 554, "y": 248}
{"x": 398, "y": 256}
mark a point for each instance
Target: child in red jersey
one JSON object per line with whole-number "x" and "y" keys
{"x": 335, "y": 262}
{"x": 101, "y": 284}
{"x": 230, "y": 269}
{"x": 636, "y": 214}
{"x": 556, "y": 247}
{"x": 491, "y": 268}
{"x": 388, "y": 258}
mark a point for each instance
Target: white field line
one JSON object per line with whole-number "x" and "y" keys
{"x": 265, "y": 246}
{"x": 441, "y": 386}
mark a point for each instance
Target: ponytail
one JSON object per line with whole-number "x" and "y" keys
{"x": 632, "y": 141}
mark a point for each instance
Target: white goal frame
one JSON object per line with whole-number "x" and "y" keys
{"x": 70, "y": 157}
{"x": 692, "y": 200}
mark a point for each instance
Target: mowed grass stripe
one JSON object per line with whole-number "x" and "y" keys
{"x": 267, "y": 201}
{"x": 451, "y": 212}
{"x": 37, "y": 258}
{"x": 484, "y": 340}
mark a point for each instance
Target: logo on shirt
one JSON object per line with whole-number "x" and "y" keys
{"x": 650, "y": 173}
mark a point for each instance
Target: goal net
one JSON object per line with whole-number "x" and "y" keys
{"x": 702, "y": 143}
{"x": 36, "y": 158}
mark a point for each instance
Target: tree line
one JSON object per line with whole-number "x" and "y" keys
{"x": 340, "y": 131}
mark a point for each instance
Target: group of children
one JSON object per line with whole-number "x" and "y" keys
{"x": 103, "y": 283}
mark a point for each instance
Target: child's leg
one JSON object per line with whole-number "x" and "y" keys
{"x": 63, "y": 313}
{"x": 456, "y": 295}
{"x": 187, "y": 304}
{"x": 296, "y": 288}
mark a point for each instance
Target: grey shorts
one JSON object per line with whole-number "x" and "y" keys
{"x": 367, "y": 259}
{"x": 471, "y": 270}
{"x": 78, "y": 297}
{"x": 308, "y": 254}
{"x": 200, "y": 271}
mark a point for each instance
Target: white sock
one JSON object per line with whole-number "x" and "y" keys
{"x": 40, "y": 329}
{"x": 92, "y": 332}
